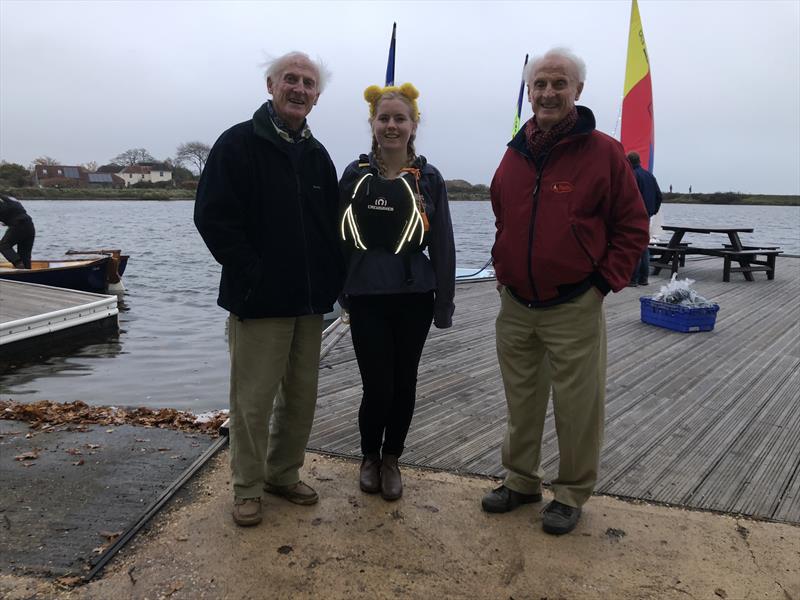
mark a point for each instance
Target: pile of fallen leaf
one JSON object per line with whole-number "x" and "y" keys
{"x": 47, "y": 413}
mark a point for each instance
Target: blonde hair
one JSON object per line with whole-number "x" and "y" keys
{"x": 408, "y": 94}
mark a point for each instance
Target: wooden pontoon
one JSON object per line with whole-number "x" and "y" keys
{"x": 31, "y": 314}
{"x": 706, "y": 420}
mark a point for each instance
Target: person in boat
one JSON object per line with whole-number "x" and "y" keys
{"x": 267, "y": 208}
{"x": 570, "y": 228}
{"x": 394, "y": 208}
{"x": 20, "y": 232}
{"x": 651, "y": 195}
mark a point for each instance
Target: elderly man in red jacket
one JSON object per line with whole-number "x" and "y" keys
{"x": 571, "y": 226}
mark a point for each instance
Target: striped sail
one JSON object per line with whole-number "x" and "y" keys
{"x": 637, "y": 130}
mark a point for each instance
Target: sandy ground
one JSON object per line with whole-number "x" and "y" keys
{"x": 435, "y": 543}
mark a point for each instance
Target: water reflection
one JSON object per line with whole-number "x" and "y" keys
{"x": 59, "y": 356}
{"x": 172, "y": 350}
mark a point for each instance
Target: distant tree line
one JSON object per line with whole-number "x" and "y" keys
{"x": 189, "y": 160}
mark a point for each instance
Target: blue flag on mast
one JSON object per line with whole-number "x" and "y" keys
{"x": 390, "y": 64}
{"x": 515, "y": 129}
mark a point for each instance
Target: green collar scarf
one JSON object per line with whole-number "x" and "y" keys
{"x": 266, "y": 121}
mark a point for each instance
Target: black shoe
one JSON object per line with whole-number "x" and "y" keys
{"x": 391, "y": 481}
{"x": 632, "y": 284}
{"x": 559, "y": 518}
{"x": 369, "y": 477}
{"x": 503, "y": 499}
{"x": 644, "y": 282}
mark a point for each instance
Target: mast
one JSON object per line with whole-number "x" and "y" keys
{"x": 515, "y": 128}
{"x": 638, "y": 130}
{"x": 390, "y": 62}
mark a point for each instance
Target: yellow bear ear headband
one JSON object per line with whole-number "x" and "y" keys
{"x": 374, "y": 93}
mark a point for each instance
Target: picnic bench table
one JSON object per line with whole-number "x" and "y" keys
{"x": 672, "y": 254}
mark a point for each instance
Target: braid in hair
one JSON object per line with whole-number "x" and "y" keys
{"x": 376, "y": 151}
{"x": 412, "y": 153}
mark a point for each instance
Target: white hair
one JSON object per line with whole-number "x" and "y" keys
{"x": 565, "y": 53}
{"x": 274, "y": 67}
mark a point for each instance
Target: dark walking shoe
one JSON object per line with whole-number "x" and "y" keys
{"x": 391, "y": 482}
{"x": 247, "y": 511}
{"x": 560, "y": 518}
{"x": 298, "y": 493}
{"x": 504, "y": 499}
{"x": 632, "y": 284}
{"x": 369, "y": 478}
{"x": 644, "y": 282}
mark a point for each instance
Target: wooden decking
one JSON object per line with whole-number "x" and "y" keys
{"x": 29, "y": 311}
{"x": 704, "y": 420}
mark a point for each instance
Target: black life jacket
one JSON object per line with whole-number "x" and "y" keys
{"x": 385, "y": 213}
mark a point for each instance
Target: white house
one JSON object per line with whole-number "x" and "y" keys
{"x": 150, "y": 172}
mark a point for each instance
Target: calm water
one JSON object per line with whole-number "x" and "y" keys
{"x": 171, "y": 351}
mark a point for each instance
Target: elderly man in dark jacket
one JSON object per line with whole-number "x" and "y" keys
{"x": 570, "y": 228}
{"x": 20, "y": 232}
{"x": 651, "y": 195}
{"x": 267, "y": 208}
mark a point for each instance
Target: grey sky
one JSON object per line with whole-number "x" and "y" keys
{"x": 83, "y": 81}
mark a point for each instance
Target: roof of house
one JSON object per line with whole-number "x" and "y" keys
{"x": 100, "y": 178}
{"x": 136, "y": 169}
{"x": 156, "y": 166}
{"x": 70, "y": 172}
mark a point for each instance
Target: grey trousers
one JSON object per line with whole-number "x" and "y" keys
{"x": 563, "y": 346}
{"x": 273, "y": 394}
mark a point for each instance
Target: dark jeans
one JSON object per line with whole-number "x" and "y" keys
{"x": 20, "y": 234}
{"x": 388, "y": 332}
{"x": 642, "y": 272}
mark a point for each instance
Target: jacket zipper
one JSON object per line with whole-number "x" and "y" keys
{"x": 305, "y": 240}
{"x": 531, "y": 235}
{"x": 534, "y": 202}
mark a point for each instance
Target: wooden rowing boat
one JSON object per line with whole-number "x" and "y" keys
{"x": 88, "y": 274}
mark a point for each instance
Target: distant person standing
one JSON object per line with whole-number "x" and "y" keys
{"x": 690, "y": 189}
{"x": 267, "y": 208}
{"x": 670, "y": 188}
{"x": 651, "y": 194}
{"x": 20, "y": 232}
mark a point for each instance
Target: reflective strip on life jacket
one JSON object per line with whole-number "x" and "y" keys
{"x": 413, "y": 222}
{"x": 351, "y": 222}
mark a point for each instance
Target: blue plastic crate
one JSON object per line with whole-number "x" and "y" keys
{"x": 676, "y": 317}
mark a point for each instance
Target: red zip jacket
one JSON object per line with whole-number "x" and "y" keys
{"x": 574, "y": 220}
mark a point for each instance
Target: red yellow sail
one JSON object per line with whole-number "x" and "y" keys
{"x": 637, "y": 130}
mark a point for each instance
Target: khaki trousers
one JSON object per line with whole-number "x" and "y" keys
{"x": 273, "y": 394}
{"x": 562, "y": 346}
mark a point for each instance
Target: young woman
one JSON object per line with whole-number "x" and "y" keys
{"x": 394, "y": 210}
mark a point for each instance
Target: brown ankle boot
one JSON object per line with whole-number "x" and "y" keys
{"x": 391, "y": 483}
{"x": 369, "y": 479}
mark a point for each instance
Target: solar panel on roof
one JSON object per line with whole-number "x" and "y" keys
{"x": 100, "y": 177}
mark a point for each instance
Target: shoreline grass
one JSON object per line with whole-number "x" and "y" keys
{"x": 457, "y": 191}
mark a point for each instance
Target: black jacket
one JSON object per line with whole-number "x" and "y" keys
{"x": 12, "y": 211}
{"x": 648, "y": 187}
{"x": 267, "y": 210}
